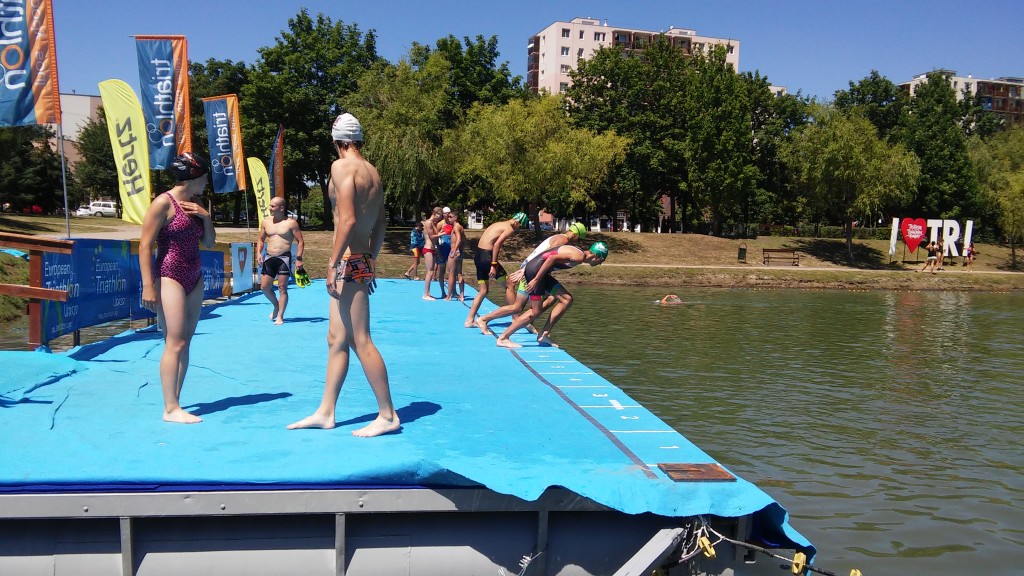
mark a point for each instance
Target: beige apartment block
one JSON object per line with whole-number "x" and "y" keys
{"x": 554, "y": 51}
{"x": 1003, "y": 96}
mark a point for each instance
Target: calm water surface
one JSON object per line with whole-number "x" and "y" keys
{"x": 889, "y": 424}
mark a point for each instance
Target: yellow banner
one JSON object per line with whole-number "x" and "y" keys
{"x": 260, "y": 186}
{"x": 127, "y": 131}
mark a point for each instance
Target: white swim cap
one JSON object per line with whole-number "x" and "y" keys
{"x": 347, "y": 129}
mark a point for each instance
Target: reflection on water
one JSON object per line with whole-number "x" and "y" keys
{"x": 887, "y": 423}
{"x": 14, "y": 334}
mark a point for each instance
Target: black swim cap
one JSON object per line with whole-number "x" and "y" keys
{"x": 188, "y": 166}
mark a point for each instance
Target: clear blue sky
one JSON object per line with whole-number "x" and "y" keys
{"x": 814, "y": 46}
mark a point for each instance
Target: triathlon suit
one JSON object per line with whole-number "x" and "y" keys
{"x": 177, "y": 248}
{"x": 483, "y": 258}
{"x": 444, "y": 242}
{"x": 548, "y": 285}
{"x": 276, "y": 265}
{"x": 416, "y": 242}
{"x": 356, "y": 268}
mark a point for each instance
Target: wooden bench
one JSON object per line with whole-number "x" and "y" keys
{"x": 787, "y": 254}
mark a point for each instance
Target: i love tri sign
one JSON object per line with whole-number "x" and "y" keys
{"x": 916, "y": 231}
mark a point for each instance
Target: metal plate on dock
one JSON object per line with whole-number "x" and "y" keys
{"x": 696, "y": 472}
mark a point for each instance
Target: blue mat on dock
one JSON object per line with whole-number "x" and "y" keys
{"x": 472, "y": 414}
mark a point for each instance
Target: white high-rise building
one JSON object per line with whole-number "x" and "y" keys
{"x": 554, "y": 51}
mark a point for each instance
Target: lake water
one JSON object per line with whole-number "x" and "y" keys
{"x": 889, "y": 424}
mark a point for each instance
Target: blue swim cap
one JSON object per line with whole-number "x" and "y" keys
{"x": 599, "y": 249}
{"x": 522, "y": 218}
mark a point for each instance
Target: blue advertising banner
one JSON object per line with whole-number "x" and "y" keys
{"x": 97, "y": 275}
{"x": 103, "y": 284}
{"x": 213, "y": 273}
{"x": 156, "y": 83}
{"x": 224, "y": 133}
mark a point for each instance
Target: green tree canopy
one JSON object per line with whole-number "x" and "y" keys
{"x": 999, "y": 165}
{"x": 526, "y": 154}
{"x": 30, "y": 174}
{"x": 845, "y": 170}
{"x": 300, "y": 82}
{"x": 878, "y": 99}
{"x": 932, "y": 130}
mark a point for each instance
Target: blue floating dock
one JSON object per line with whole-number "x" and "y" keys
{"x": 484, "y": 430}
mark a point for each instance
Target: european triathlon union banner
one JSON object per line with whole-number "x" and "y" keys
{"x": 212, "y": 276}
{"x": 277, "y": 165}
{"x": 213, "y": 273}
{"x": 225, "y": 136}
{"x": 28, "y": 63}
{"x": 97, "y": 276}
{"x": 163, "y": 80}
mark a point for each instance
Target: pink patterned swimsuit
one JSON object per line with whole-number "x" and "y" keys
{"x": 177, "y": 246}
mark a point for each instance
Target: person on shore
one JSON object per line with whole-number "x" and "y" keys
{"x": 178, "y": 223}
{"x": 458, "y": 245}
{"x": 576, "y": 232}
{"x": 942, "y": 251}
{"x": 277, "y": 233}
{"x": 539, "y": 282}
{"x": 969, "y": 254}
{"x": 430, "y": 235}
{"x": 933, "y": 257}
{"x": 444, "y": 250}
{"x": 359, "y": 225}
{"x": 415, "y": 246}
{"x": 487, "y": 259}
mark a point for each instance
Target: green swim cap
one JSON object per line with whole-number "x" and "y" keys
{"x": 579, "y": 229}
{"x": 599, "y": 249}
{"x": 522, "y": 218}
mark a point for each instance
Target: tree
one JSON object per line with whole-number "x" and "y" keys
{"x": 474, "y": 75}
{"x": 717, "y": 147}
{"x": 30, "y": 174}
{"x": 877, "y": 99}
{"x": 403, "y": 110}
{"x": 642, "y": 100}
{"x": 96, "y": 172}
{"x": 527, "y": 154}
{"x": 215, "y": 78}
{"x": 844, "y": 168}
{"x": 999, "y": 165}
{"x": 932, "y": 130}
{"x": 772, "y": 118}
{"x": 300, "y": 82}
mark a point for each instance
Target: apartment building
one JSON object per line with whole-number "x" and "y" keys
{"x": 1003, "y": 96}
{"x": 553, "y": 52}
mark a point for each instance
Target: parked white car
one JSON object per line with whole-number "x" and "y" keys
{"x": 100, "y": 208}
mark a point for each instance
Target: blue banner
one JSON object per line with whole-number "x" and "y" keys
{"x": 213, "y": 273}
{"x": 156, "y": 81}
{"x": 103, "y": 284}
{"x": 29, "y": 92}
{"x": 97, "y": 275}
{"x": 225, "y": 139}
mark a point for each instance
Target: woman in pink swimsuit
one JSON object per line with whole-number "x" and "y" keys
{"x": 173, "y": 289}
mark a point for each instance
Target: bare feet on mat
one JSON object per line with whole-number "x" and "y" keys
{"x": 314, "y": 421}
{"x": 429, "y": 298}
{"x": 279, "y": 321}
{"x": 379, "y": 426}
{"x": 179, "y": 416}
{"x": 545, "y": 340}
{"x": 502, "y": 343}
{"x": 483, "y": 326}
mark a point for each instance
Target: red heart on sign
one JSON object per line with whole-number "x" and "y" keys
{"x": 913, "y": 232}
